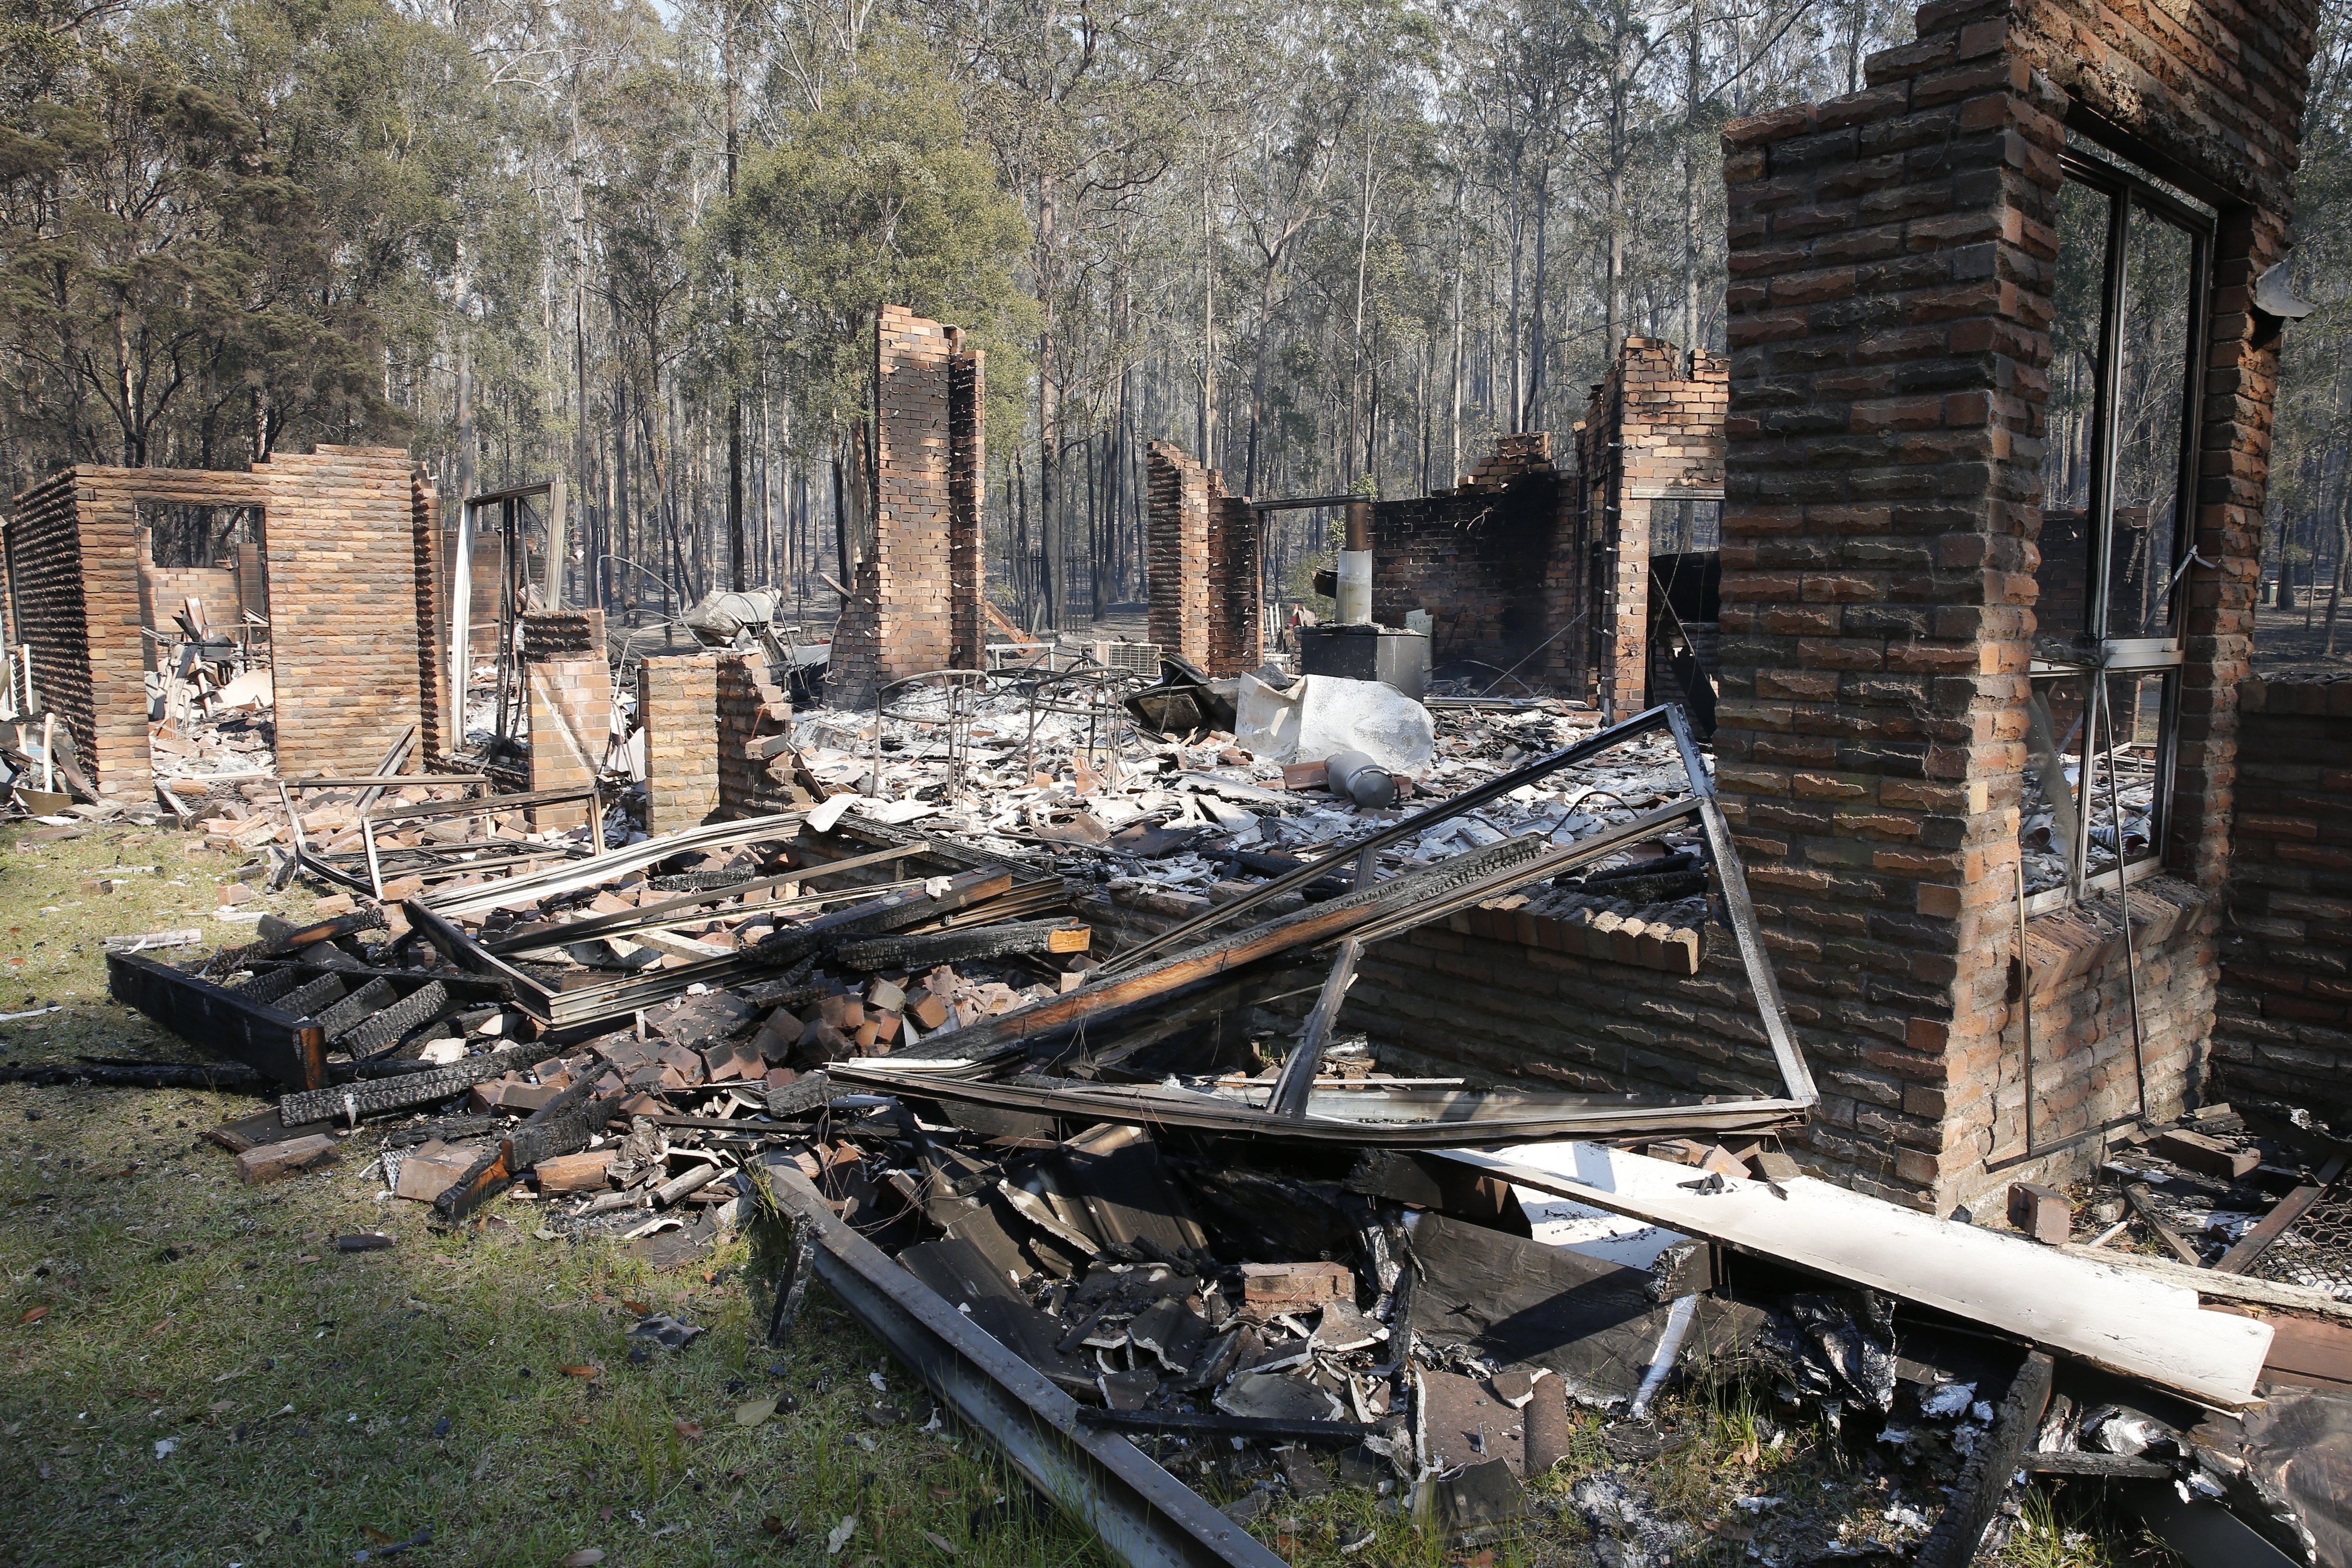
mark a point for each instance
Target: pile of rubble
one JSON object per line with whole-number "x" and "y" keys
{"x": 1133, "y": 1197}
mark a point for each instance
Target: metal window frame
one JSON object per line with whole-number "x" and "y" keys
{"x": 2128, "y": 189}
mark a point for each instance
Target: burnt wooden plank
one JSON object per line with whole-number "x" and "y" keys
{"x": 285, "y": 1046}
{"x": 1960, "y": 1530}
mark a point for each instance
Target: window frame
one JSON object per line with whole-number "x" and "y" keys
{"x": 2127, "y": 188}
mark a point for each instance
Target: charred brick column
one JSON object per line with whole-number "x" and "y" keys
{"x": 1653, "y": 436}
{"x": 424, "y": 537}
{"x": 2283, "y": 1028}
{"x": 967, "y": 476}
{"x": 49, "y": 599}
{"x": 677, "y": 705}
{"x": 1177, "y": 549}
{"x": 1237, "y": 592}
{"x": 912, "y": 606}
{"x": 345, "y": 650}
{"x": 1892, "y": 261}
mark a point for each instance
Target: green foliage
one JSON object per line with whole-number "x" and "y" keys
{"x": 876, "y": 197}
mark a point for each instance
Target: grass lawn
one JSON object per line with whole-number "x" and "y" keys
{"x": 191, "y": 1372}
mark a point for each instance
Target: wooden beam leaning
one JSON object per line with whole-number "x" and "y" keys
{"x": 1513, "y": 857}
{"x": 293, "y": 1050}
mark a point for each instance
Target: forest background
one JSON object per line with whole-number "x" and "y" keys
{"x": 1336, "y": 246}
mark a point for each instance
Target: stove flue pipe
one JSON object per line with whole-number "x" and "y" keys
{"x": 1354, "y": 595}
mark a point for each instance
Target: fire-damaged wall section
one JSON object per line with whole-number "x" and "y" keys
{"x": 350, "y": 602}
{"x": 1892, "y": 273}
{"x": 2283, "y": 1026}
{"x": 48, "y": 612}
{"x": 1474, "y": 559}
{"x": 915, "y": 602}
{"x": 1206, "y": 554}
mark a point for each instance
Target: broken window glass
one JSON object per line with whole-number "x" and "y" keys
{"x": 2127, "y": 299}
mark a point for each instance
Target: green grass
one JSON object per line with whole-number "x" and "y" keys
{"x": 146, "y": 1296}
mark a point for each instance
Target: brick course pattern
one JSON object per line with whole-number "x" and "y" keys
{"x": 570, "y": 719}
{"x": 1891, "y": 258}
{"x": 1177, "y": 488}
{"x": 1205, "y": 554}
{"x": 345, "y": 535}
{"x": 2283, "y": 1028}
{"x": 1476, "y": 558}
{"x": 1236, "y": 594}
{"x": 1651, "y": 434}
{"x": 915, "y": 603}
{"x": 750, "y": 708}
{"x": 677, "y": 707}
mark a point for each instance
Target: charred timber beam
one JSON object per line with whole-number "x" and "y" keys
{"x": 893, "y": 911}
{"x": 561, "y": 1126}
{"x": 146, "y": 1075}
{"x": 1961, "y": 1529}
{"x": 399, "y": 1091}
{"x": 283, "y": 1045}
{"x": 920, "y": 951}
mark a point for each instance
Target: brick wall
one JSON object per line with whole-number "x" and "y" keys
{"x": 1651, "y": 435}
{"x": 678, "y": 705}
{"x": 2283, "y": 1026}
{"x": 1177, "y": 551}
{"x": 350, "y": 672}
{"x": 570, "y": 719}
{"x": 46, "y": 612}
{"x": 350, "y": 602}
{"x": 561, "y": 634}
{"x": 1491, "y": 561}
{"x": 1891, "y": 270}
{"x": 1477, "y": 559}
{"x": 1236, "y": 587}
{"x": 967, "y": 479}
{"x": 751, "y": 708}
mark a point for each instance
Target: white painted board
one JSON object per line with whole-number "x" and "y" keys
{"x": 2106, "y": 1314}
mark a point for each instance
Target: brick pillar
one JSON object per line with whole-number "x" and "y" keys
{"x": 1884, "y": 306}
{"x": 436, "y": 727}
{"x": 1237, "y": 596}
{"x": 915, "y": 603}
{"x": 1891, "y": 266}
{"x": 1652, "y": 436}
{"x": 345, "y": 586}
{"x": 678, "y": 705}
{"x": 967, "y": 476}
{"x": 1178, "y": 552}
